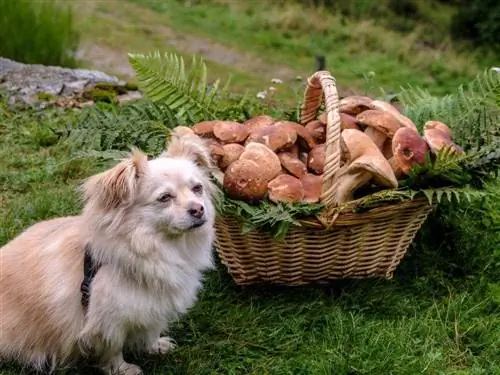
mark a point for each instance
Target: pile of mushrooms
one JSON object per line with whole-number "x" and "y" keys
{"x": 284, "y": 161}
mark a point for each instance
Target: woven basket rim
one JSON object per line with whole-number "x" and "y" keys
{"x": 348, "y": 217}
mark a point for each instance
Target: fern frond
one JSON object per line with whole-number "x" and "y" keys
{"x": 163, "y": 79}
{"x": 472, "y": 113}
{"x": 143, "y": 124}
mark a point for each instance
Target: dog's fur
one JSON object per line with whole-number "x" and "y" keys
{"x": 152, "y": 253}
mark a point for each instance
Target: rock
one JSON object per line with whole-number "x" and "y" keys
{"x": 130, "y": 96}
{"x": 28, "y": 84}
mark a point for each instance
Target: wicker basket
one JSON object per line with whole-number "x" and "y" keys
{"x": 337, "y": 244}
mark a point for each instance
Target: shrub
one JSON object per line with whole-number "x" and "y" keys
{"x": 37, "y": 32}
{"x": 479, "y": 22}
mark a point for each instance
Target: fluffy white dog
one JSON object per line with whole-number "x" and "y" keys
{"x": 146, "y": 232}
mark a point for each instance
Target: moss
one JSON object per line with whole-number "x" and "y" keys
{"x": 45, "y": 96}
{"x": 99, "y": 95}
{"x": 130, "y": 86}
{"x": 120, "y": 90}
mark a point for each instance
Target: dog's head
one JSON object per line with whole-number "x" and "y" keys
{"x": 171, "y": 193}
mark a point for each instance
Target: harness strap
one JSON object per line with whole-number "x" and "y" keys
{"x": 90, "y": 269}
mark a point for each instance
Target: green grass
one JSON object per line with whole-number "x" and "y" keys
{"x": 292, "y": 34}
{"x": 254, "y": 42}
{"x": 37, "y": 32}
{"x": 439, "y": 315}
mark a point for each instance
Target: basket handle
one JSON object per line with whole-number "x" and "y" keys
{"x": 322, "y": 82}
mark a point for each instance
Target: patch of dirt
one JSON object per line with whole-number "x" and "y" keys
{"x": 115, "y": 61}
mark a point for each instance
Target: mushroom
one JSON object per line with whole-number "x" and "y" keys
{"x": 387, "y": 107}
{"x": 267, "y": 160}
{"x": 292, "y": 164}
{"x": 380, "y": 125}
{"x": 216, "y": 151}
{"x": 317, "y": 130}
{"x": 316, "y": 159}
{"x": 367, "y": 163}
{"x": 276, "y": 137}
{"x": 348, "y": 122}
{"x": 285, "y": 188}
{"x": 408, "y": 149}
{"x": 354, "y": 104}
{"x": 258, "y": 122}
{"x": 232, "y": 152}
{"x": 230, "y": 131}
{"x": 312, "y": 187}
{"x": 245, "y": 181}
{"x": 302, "y": 133}
{"x": 205, "y": 128}
{"x": 438, "y": 136}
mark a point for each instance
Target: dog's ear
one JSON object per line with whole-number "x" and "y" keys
{"x": 118, "y": 185}
{"x": 189, "y": 146}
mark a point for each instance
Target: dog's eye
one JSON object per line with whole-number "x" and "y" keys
{"x": 198, "y": 188}
{"x": 166, "y": 197}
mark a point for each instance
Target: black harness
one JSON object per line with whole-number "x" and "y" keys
{"x": 90, "y": 269}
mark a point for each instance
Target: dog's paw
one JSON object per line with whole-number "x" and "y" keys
{"x": 129, "y": 369}
{"x": 162, "y": 346}
{"x": 122, "y": 368}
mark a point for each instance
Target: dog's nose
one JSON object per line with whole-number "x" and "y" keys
{"x": 196, "y": 210}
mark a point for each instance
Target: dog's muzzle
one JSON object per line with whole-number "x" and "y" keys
{"x": 196, "y": 223}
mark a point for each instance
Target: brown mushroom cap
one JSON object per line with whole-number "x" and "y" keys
{"x": 216, "y": 151}
{"x": 317, "y": 130}
{"x": 244, "y": 180}
{"x": 276, "y": 137}
{"x": 267, "y": 160}
{"x": 348, "y": 122}
{"x": 230, "y": 131}
{"x": 204, "y": 128}
{"x": 312, "y": 187}
{"x": 285, "y": 188}
{"x": 380, "y": 125}
{"x": 316, "y": 159}
{"x": 292, "y": 164}
{"x": 384, "y": 106}
{"x": 354, "y": 104}
{"x": 409, "y": 149}
{"x": 438, "y": 136}
{"x": 302, "y": 133}
{"x": 232, "y": 152}
{"x": 258, "y": 122}
{"x": 367, "y": 163}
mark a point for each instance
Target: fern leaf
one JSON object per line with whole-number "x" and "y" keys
{"x": 163, "y": 80}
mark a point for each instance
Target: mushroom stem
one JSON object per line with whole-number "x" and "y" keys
{"x": 398, "y": 172}
{"x": 346, "y": 184}
{"x": 377, "y": 137}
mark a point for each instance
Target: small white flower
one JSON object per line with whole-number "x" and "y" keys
{"x": 262, "y": 94}
{"x": 276, "y": 81}
{"x": 298, "y": 78}
{"x": 272, "y": 88}
{"x": 496, "y": 69}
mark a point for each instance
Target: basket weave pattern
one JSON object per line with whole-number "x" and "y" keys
{"x": 335, "y": 245}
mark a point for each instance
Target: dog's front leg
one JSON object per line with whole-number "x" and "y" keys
{"x": 107, "y": 350}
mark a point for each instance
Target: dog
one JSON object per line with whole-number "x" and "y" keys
{"x": 147, "y": 227}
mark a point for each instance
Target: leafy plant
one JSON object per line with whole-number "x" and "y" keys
{"x": 473, "y": 112}
{"x": 164, "y": 79}
{"x": 105, "y": 128}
